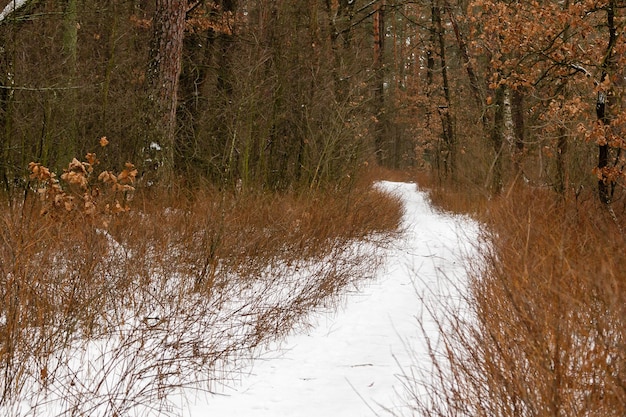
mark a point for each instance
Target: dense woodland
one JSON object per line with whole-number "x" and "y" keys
{"x": 275, "y": 94}
{"x": 250, "y": 132}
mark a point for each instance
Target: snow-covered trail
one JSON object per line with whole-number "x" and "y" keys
{"x": 347, "y": 364}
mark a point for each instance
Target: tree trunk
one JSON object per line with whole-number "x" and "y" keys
{"x": 6, "y": 99}
{"x": 603, "y": 112}
{"x": 445, "y": 111}
{"x": 517, "y": 116}
{"x": 477, "y": 94}
{"x": 70, "y": 48}
{"x": 379, "y": 88}
{"x": 338, "y": 11}
{"x": 163, "y": 75}
{"x": 562, "y": 180}
{"x": 497, "y": 141}
{"x": 430, "y": 72}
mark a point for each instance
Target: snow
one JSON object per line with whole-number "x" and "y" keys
{"x": 349, "y": 363}
{"x": 11, "y": 7}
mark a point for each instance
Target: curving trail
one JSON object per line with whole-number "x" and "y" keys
{"x": 348, "y": 364}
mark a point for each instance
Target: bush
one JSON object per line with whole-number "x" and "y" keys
{"x": 545, "y": 334}
{"x": 112, "y": 299}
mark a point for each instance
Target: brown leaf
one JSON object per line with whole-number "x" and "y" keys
{"x": 91, "y": 158}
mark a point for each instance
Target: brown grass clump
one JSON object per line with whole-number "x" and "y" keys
{"x": 109, "y": 306}
{"x": 546, "y": 332}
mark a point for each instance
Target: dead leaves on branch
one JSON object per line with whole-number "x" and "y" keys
{"x": 80, "y": 190}
{"x": 122, "y": 181}
{"x": 211, "y": 16}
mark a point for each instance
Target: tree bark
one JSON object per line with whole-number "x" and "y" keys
{"x": 163, "y": 76}
{"x": 6, "y": 100}
{"x": 562, "y": 179}
{"x": 604, "y": 101}
{"x": 379, "y": 88}
{"x": 517, "y": 116}
{"x": 497, "y": 141}
{"x": 467, "y": 63}
{"x": 70, "y": 48}
{"x": 445, "y": 111}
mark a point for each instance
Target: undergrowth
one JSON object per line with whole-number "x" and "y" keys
{"x": 113, "y": 297}
{"x": 545, "y": 334}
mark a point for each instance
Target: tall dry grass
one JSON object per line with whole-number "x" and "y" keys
{"x": 543, "y": 332}
{"x": 106, "y": 311}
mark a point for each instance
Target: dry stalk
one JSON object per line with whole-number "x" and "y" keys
{"x": 546, "y": 332}
{"x": 103, "y": 313}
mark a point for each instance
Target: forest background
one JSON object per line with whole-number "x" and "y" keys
{"x": 283, "y": 94}
{"x": 512, "y": 111}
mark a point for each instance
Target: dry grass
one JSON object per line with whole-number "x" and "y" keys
{"x": 372, "y": 172}
{"x": 457, "y": 196}
{"x": 546, "y": 333}
{"x": 104, "y": 312}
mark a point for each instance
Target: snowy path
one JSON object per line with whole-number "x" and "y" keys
{"x": 347, "y": 364}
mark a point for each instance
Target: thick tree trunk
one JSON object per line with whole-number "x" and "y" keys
{"x": 163, "y": 75}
